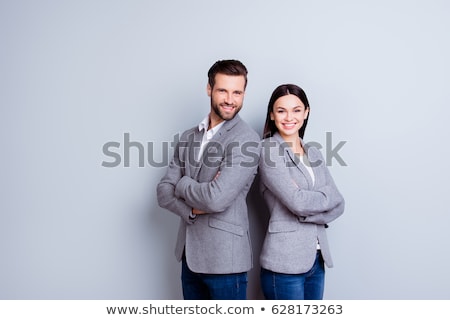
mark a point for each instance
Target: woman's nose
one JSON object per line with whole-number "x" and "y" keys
{"x": 289, "y": 115}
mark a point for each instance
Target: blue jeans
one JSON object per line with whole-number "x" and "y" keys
{"x": 201, "y": 286}
{"x": 303, "y": 286}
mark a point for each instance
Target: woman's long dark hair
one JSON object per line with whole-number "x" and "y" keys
{"x": 280, "y": 91}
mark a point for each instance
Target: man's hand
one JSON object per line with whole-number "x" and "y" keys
{"x": 197, "y": 211}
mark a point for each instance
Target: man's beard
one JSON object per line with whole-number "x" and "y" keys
{"x": 222, "y": 115}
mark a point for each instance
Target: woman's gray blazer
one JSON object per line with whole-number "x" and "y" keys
{"x": 299, "y": 210}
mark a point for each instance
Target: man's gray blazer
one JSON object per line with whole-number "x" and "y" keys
{"x": 217, "y": 242}
{"x": 299, "y": 209}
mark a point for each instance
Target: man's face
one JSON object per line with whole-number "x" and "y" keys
{"x": 227, "y": 97}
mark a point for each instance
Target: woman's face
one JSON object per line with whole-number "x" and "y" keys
{"x": 289, "y": 114}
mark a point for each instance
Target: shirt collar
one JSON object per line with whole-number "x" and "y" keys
{"x": 205, "y": 124}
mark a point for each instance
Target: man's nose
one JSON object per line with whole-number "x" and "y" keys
{"x": 229, "y": 98}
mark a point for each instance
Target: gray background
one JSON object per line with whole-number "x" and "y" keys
{"x": 78, "y": 74}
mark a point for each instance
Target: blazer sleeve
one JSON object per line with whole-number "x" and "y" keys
{"x": 166, "y": 189}
{"x": 237, "y": 170}
{"x": 327, "y": 216}
{"x": 275, "y": 175}
{"x": 334, "y": 213}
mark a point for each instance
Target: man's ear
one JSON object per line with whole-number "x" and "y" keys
{"x": 208, "y": 90}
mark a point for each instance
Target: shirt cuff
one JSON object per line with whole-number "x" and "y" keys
{"x": 192, "y": 217}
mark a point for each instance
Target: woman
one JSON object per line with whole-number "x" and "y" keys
{"x": 302, "y": 199}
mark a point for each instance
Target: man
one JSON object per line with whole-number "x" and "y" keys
{"x": 206, "y": 184}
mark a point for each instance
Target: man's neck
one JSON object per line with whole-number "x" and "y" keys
{"x": 214, "y": 120}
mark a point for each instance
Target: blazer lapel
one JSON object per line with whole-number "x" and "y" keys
{"x": 219, "y": 138}
{"x": 294, "y": 159}
{"x": 194, "y": 143}
{"x": 227, "y": 126}
{"x": 317, "y": 164}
